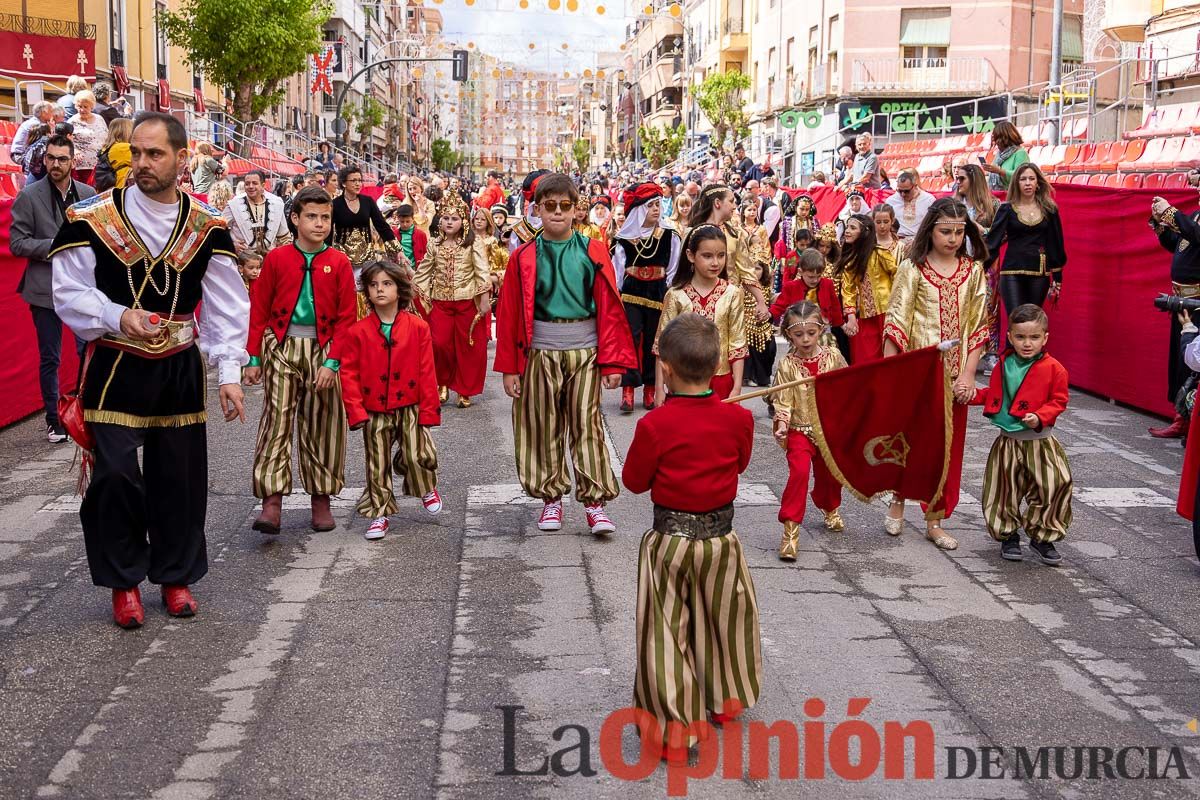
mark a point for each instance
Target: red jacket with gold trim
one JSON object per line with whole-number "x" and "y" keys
{"x": 1043, "y": 392}
{"x": 383, "y": 374}
{"x": 514, "y": 325}
{"x": 273, "y": 296}
{"x": 827, "y": 298}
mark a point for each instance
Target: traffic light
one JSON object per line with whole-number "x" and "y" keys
{"x": 459, "y": 70}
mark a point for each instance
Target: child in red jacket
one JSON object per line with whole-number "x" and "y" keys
{"x": 300, "y": 309}
{"x": 397, "y": 408}
{"x": 811, "y": 286}
{"x": 698, "y": 643}
{"x": 1027, "y": 393}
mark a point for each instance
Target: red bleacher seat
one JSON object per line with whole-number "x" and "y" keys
{"x": 1171, "y": 155}
{"x": 1176, "y": 180}
{"x": 1080, "y": 180}
{"x": 1106, "y": 156}
{"x": 6, "y": 162}
{"x": 1156, "y": 123}
{"x": 1150, "y": 153}
{"x": 1070, "y": 153}
{"x": 1133, "y": 180}
{"x": 1051, "y": 157}
{"x": 1154, "y": 180}
{"x": 1112, "y": 180}
{"x": 1082, "y": 160}
{"x": 1189, "y": 155}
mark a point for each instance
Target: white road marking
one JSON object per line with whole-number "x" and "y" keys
{"x": 1131, "y": 497}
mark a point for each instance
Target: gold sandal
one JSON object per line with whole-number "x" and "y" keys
{"x": 943, "y": 540}
{"x": 464, "y": 402}
{"x": 834, "y": 522}
{"x": 790, "y": 542}
{"x": 894, "y": 525}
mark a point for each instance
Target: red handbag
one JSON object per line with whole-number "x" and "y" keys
{"x": 71, "y": 417}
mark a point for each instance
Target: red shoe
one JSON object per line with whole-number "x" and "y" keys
{"x": 322, "y": 517}
{"x": 648, "y": 398}
{"x": 720, "y": 719}
{"x": 1176, "y": 430}
{"x": 674, "y": 755}
{"x": 179, "y": 601}
{"x": 627, "y": 400}
{"x": 127, "y": 608}
{"x": 268, "y": 520}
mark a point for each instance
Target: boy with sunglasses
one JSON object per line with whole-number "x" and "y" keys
{"x": 561, "y": 333}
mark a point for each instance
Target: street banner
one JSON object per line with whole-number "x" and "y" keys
{"x": 885, "y": 426}
{"x": 53, "y": 58}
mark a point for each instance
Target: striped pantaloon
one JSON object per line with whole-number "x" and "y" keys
{"x": 559, "y": 406}
{"x": 415, "y": 459}
{"x": 697, "y": 629}
{"x": 289, "y": 400}
{"x": 1036, "y": 471}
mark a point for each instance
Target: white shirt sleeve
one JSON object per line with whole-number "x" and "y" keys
{"x": 618, "y": 262}
{"x": 771, "y": 219}
{"x": 224, "y": 319}
{"x": 85, "y": 309}
{"x": 1191, "y": 356}
{"x": 673, "y": 265}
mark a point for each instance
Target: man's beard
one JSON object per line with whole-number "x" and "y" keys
{"x": 149, "y": 183}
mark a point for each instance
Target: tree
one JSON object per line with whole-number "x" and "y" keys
{"x": 247, "y": 46}
{"x": 365, "y": 117}
{"x": 662, "y": 146}
{"x": 720, "y": 98}
{"x": 582, "y": 151}
{"x": 443, "y": 156}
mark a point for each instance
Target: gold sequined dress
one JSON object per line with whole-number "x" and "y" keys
{"x": 928, "y": 308}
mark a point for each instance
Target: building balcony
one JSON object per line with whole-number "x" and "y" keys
{"x": 906, "y": 76}
{"x": 735, "y": 38}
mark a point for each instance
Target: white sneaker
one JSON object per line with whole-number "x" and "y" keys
{"x": 597, "y": 519}
{"x": 551, "y": 519}
{"x": 432, "y": 502}
{"x": 55, "y": 435}
{"x": 377, "y": 529}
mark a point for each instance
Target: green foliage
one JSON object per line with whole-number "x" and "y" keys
{"x": 720, "y": 98}
{"x": 581, "y": 151}
{"x": 661, "y": 146}
{"x": 443, "y": 156}
{"x": 365, "y": 117}
{"x": 247, "y": 46}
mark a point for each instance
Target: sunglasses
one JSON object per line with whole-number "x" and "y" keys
{"x": 554, "y": 206}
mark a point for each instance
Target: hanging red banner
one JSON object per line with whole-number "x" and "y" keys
{"x": 199, "y": 101}
{"x": 121, "y": 80}
{"x": 164, "y": 95}
{"x": 28, "y": 55}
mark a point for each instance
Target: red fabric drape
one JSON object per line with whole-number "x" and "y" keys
{"x": 19, "y": 392}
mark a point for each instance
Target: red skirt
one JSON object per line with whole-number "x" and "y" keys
{"x": 722, "y": 385}
{"x": 460, "y": 366}
{"x": 868, "y": 344}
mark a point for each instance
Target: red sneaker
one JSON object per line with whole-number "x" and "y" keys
{"x": 432, "y": 502}
{"x": 552, "y": 513}
{"x": 179, "y": 601}
{"x": 674, "y": 755}
{"x": 127, "y": 608}
{"x": 597, "y": 519}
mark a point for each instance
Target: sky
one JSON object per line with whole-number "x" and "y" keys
{"x": 502, "y": 29}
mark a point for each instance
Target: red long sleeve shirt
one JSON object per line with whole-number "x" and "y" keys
{"x": 689, "y": 452}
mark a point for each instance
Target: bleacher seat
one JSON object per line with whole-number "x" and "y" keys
{"x": 1080, "y": 180}
{"x": 1082, "y": 160}
{"x": 1154, "y": 180}
{"x": 1112, "y": 180}
{"x": 1133, "y": 180}
{"x": 1176, "y": 180}
{"x": 1170, "y": 155}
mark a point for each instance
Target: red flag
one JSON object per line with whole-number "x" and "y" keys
{"x": 198, "y": 97}
{"x": 885, "y": 425}
{"x": 164, "y": 96}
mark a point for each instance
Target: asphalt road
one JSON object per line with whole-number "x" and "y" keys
{"x": 326, "y": 666}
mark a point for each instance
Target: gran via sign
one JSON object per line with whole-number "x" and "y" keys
{"x": 918, "y": 116}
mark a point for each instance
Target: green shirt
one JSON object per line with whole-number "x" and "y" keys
{"x": 1015, "y": 370}
{"x": 1010, "y": 164}
{"x": 386, "y": 329}
{"x": 565, "y": 275}
{"x": 406, "y": 243}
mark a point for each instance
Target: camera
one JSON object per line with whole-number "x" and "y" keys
{"x": 1174, "y": 304}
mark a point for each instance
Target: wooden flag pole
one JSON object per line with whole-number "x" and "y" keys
{"x": 942, "y": 346}
{"x": 767, "y": 390}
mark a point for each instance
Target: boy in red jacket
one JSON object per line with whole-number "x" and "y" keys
{"x": 697, "y": 617}
{"x": 398, "y": 408}
{"x": 301, "y": 307}
{"x": 810, "y": 286}
{"x": 561, "y": 332}
{"x": 1027, "y": 393}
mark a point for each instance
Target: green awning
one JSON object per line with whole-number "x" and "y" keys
{"x": 1072, "y": 39}
{"x": 925, "y": 26}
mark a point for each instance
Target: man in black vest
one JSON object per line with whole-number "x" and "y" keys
{"x": 130, "y": 269}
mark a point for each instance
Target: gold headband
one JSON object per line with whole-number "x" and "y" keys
{"x": 951, "y": 221}
{"x": 715, "y": 189}
{"x": 819, "y": 322}
{"x": 452, "y": 203}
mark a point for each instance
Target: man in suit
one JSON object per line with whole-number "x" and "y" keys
{"x": 37, "y": 214}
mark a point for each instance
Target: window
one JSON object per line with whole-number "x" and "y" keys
{"x": 924, "y": 37}
{"x": 116, "y": 30}
{"x": 1072, "y": 39}
{"x": 791, "y": 47}
{"x": 160, "y": 42}
{"x": 835, "y": 34}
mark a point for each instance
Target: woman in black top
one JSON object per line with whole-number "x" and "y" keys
{"x": 1029, "y": 223}
{"x": 354, "y": 215}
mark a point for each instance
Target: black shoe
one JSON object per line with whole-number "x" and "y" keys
{"x": 1047, "y": 552}
{"x": 1010, "y": 548}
